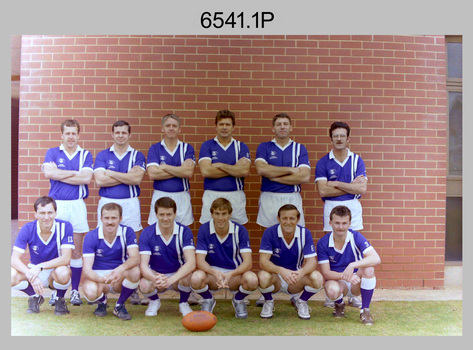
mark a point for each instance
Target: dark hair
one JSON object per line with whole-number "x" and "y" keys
{"x": 221, "y": 203}
{"x": 112, "y": 206}
{"x": 340, "y": 210}
{"x": 223, "y": 114}
{"x": 70, "y": 123}
{"x": 281, "y": 115}
{"x": 165, "y": 202}
{"x": 121, "y": 123}
{"x": 43, "y": 201}
{"x": 337, "y": 125}
{"x": 287, "y": 207}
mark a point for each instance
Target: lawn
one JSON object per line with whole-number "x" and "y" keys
{"x": 392, "y": 318}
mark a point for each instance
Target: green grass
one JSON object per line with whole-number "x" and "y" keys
{"x": 392, "y": 318}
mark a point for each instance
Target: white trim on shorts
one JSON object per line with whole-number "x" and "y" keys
{"x": 184, "y": 213}
{"x": 236, "y": 198}
{"x": 356, "y": 213}
{"x": 269, "y": 204}
{"x": 74, "y": 211}
{"x": 131, "y": 211}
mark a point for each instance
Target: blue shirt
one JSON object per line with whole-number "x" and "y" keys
{"x": 160, "y": 154}
{"x": 108, "y": 256}
{"x": 293, "y": 155}
{"x": 214, "y": 151}
{"x": 109, "y": 160}
{"x": 81, "y": 159}
{"x": 290, "y": 256}
{"x": 166, "y": 256}
{"x": 355, "y": 246}
{"x": 40, "y": 250}
{"x": 328, "y": 168}
{"x": 224, "y": 253}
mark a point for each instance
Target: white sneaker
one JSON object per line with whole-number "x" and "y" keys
{"x": 153, "y": 307}
{"x": 207, "y": 304}
{"x": 303, "y": 310}
{"x": 184, "y": 308}
{"x": 268, "y": 308}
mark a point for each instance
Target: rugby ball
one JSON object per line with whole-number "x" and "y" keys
{"x": 199, "y": 321}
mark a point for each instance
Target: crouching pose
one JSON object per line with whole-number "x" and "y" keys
{"x": 50, "y": 243}
{"x": 223, "y": 259}
{"x": 347, "y": 263}
{"x": 288, "y": 263}
{"x": 111, "y": 259}
{"x": 167, "y": 258}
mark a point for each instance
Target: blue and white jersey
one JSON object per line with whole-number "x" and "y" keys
{"x": 290, "y": 256}
{"x": 40, "y": 250}
{"x": 224, "y": 253}
{"x": 355, "y": 246}
{"x": 81, "y": 159}
{"x": 292, "y": 155}
{"x": 328, "y": 168}
{"x": 109, "y": 160}
{"x": 166, "y": 256}
{"x": 214, "y": 151}
{"x": 160, "y": 154}
{"x": 108, "y": 256}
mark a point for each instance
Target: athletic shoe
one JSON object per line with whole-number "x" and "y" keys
{"x": 184, "y": 308}
{"x": 60, "y": 307}
{"x": 34, "y": 302}
{"x": 121, "y": 312}
{"x": 208, "y": 304}
{"x": 354, "y": 302}
{"x": 101, "y": 310}
{"x": 135, "y": 298}
{"x": 75, "y": 298}
{"x": 268, "y": 308}
{"x": 303, "y": 310}
{"x": 240, "y": 308}
{"x": 193, "y": 299}
{"x": 260, "y": 301}
{"x": 366, "y": 318}
{"x": 339, "y": 310}
{"x": 153, "y": 307}
{"x": 329, "y": 303}
{"x": 53, "y": 298}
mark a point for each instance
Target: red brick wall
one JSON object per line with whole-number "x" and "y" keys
{"x": 390, "y": 89}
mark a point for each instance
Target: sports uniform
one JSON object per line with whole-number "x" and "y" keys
{"x": 122, "y": 194}
{"x": 328, "y": 168}
{"x": 274, "y": 194}
{"x": 229, "y": 187}
{"x": 175, "y": 188}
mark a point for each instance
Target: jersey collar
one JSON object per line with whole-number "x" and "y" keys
{"x": 231, "y": 227}
{"x": 38, "y": 231}
{"x": 349, "y": 154}
{"x": 168, "y": 150}
{"x": 129, "y": 149}
{"x": 278, "y": 145}
{"x": 229, "y": 144}
{"x": 331, "y": 242}
{"x": 119, "y": 231}
{"x": 175, "y": 230}
{"x": 62, "y": 148}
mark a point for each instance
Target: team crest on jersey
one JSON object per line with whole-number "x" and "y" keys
{"x": 211, "y": 248}
{"x": 157, "y": 250}
{"x": 273, "y": 155}
{"x": 99, "y": 252}
{"x": 61, "y": 162}
{"x": 35, "y": 249}
{"x": 333, "y": 174}
{"x": 162, "y": 159}
{"x": 214, "y": 155}
{"x": 332, "y": 259}
{"x": 277, "y": 252}
{"x": 111, "y": 164}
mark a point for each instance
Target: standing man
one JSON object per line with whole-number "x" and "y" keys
{"x": 69, "y": 169}
{"x": 224, "y": 163}
{"x": 341, "y": 179}
{"x": 223, "y": 259}
{"x": 170, "y": 165}
{"x": 283, "y": 165}
{"x": 118, "y": 171}
{"x": 288, "y": 264}
{"x": 347, "y": 262}
{"x": 111, "y": 259}
{"x": 167, "y": 258}
{"x": 50, "y": 242}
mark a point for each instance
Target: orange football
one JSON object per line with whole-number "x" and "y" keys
{"x": 199, "y": 321}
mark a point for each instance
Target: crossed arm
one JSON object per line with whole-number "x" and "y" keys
{"x": 165, "y": 171}
{"x": 291, "y": 277}
{"x": 337, "y": 188}
{"x": 109, "y": 178}
{"x": 219, "y": 170}
{"x": 71, "y": 177}
{"x": 283, "y": 175}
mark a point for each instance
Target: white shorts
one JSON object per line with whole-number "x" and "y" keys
{"x": 356, "y": 213}
{"x": 270, "y": 203}
{"x": 183, "y": 203}
{"x": 74, "y": 211}
{"x": 102, "y": 273}
{"x": 44, "y": 276}
{"x": 236, "y": 198}
{"x": 131, "y": 211}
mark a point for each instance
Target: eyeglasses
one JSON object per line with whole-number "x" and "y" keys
{"x": 341, "y": 136}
